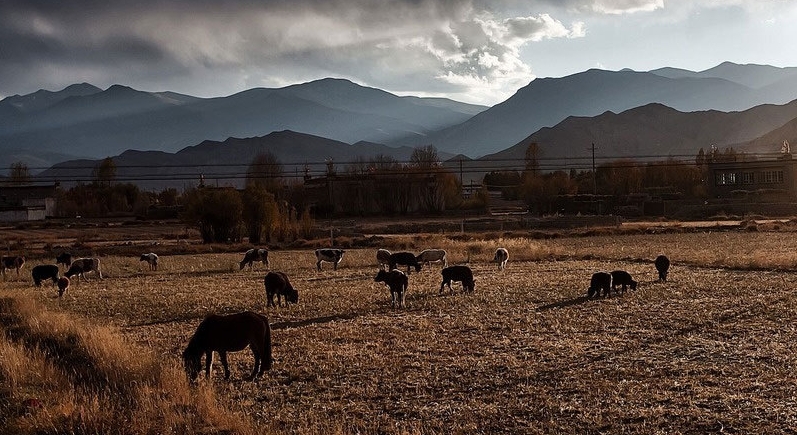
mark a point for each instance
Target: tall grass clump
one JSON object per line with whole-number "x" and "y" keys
{"x": 61, "y": 375}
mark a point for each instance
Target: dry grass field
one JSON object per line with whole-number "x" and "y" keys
{"x": 709, "y": 351}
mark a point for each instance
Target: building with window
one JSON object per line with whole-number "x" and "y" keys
{"x": 27, "y": 203}
{"x": 730, "y": 178}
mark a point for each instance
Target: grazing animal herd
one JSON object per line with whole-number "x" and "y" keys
{"x": 603, "y": 283}
{"x": 77, "y": 266}
{"x": 235, "y": 332}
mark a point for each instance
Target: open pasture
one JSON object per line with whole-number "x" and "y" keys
{"x": 711, "y": 350}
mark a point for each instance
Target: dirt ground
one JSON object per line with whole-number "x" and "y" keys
{"x": 527, "y": 352}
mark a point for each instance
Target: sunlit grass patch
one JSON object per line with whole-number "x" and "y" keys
{"x": 60, "y": 375}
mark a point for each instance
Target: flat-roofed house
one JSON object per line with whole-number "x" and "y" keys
{"x": 27, "y": 203}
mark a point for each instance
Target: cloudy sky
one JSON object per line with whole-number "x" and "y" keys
{"x": 477, "y": 51}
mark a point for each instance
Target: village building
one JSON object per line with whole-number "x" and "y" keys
{"x": 774, "y": 177}
{"x": 27, "y": 202}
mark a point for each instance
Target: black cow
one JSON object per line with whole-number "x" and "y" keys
{"x": 600, "y": 281}
{"x": 11, "y": 262}
{"x": 64, "y": 258}
{"x": 277, "y": 283}
{"x": 63, "y": 285}
{"x": 398, "y": 282}
{"x": 404, "y": 259}
{"x": 328, "y": 255}
{"x": 663, "y": 266}
{"x": 622, "y": 278}
{"x": 458, "y": 273}
{"x": 254, "y": 255}
{"x": 43, "y": 272}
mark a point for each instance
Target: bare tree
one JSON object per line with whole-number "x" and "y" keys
{"x": 382, "y": 163}
{"x": 105, "y": 172}
{"x": 360, "y": 165}
{"x": 533, "y": 158}
{"x": 265, "y": 171}
{"x": 424, "y": 158}
{"x": 19, "y": 173}
{"x": 430, "y": 180}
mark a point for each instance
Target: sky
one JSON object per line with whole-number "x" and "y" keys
{"x": 476, "y": 51}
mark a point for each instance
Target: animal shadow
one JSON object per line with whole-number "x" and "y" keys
{"x": 565, "y": 303}
{"x": 314, "y": 321}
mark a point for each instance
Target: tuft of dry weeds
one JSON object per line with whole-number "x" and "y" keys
{"x": 64, "y": 376}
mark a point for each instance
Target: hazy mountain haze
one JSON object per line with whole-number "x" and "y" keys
{"x": 109, "y": 122}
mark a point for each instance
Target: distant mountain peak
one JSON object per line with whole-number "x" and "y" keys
{"x": 332, "y": 80}
{"x": 84, "y": 88}
{"x": 43, "y": 98}
{"x": 120, "y": 89}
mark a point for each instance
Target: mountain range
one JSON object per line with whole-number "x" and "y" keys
{"x": 546, "y": 102}
{"x": 649, "y": 132}
{"x": 85, "y": 121}
{"x": 224, "y": 163}
{"x": 662, "y": 112}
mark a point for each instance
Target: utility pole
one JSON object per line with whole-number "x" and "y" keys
{"x": 595, "y": 179}
{"x": 594, "y": 174}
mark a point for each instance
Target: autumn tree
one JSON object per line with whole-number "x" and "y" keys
{"x": 216, "y": 212}
{"x": 96, "y": 200}
{"x": 540, "y": 191}
{"x": 502, "y": 178}
{"x": 358, "y": 166}
{"x": 508, "y": 181}
{"x": 265, "y": 171}
{"x": 701, "y": 159}
{"x": 532, "y": 159}
{"x": 430, "y": 183}
{"x": 168, "y": 197}
{"x": 679, "y": 176}
{"x": 424, "y": 158}
{"x": 619, "y": 177}
{"x": 385, "y": 169}
{"x": 19, "y": 173}
{"x": 105, "y": 172}
{"x": 382, "y": 163}
{"x": 259, "y": 213}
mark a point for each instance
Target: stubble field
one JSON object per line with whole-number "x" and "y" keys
{"x": 711, "y": 350}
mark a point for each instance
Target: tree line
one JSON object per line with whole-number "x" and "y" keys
{"x": 272, "y": 206}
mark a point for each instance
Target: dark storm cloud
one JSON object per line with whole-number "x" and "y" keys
{"x": 30, "y": 49}
{"x": 211, "y": 47}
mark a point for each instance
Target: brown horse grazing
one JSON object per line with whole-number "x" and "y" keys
{"x": 229, "y": 333}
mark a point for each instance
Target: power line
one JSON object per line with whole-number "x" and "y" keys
{"x": 235, "y": 171}
{"x": 646, "y": 157}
